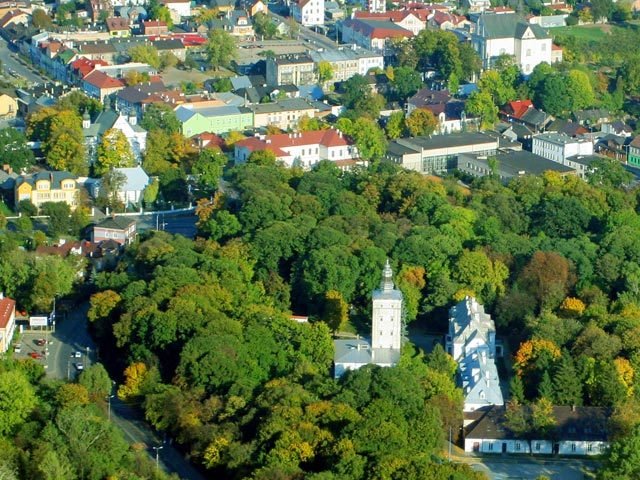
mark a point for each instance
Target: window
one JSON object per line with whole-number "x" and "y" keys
{"x": 517, "y": 446}
{"x": 573, "y": 447}
{"x": 589, "y": 447}
{"x": 491, "y": 447}
{"x": 538, "y": 446}
{"x": 528, "y": 52}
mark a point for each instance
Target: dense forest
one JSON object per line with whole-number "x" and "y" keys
{"x": 202, "y": 331}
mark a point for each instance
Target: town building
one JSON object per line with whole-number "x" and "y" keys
{"x": 578, "y": 431}
{"x": 7, "y": 322}
{"x": 47, "y": 186}
{"x": 292, "y": 69}
{"x": 346, "y": 62}
{"x": 387, "y": 329}
{"x": 375, "y": 35}
{"x": 100, "y": 85}
{"x": 154, "y": 27}
{"x": 509, "y": 34}
{"x": 118, "y": 27}
{"x": 524, "y": 113}
{"x": 284, "y": 114}
{"x": 110, "y": 119}
{"x": 471, "y": 342}
{"x": 8, "y": 106}
{"x": 258, "y": 6}
{"x": 178, "y": 9}
{"x": 509, "y": 165}
{"x": 131, "y": 190}
{"x": 575, "y": 153}
{"x": 438, "y": 154}
{"x": 633, "y": 155}
{"x": 414, "y": 20}
{"x": 214, "y": 117}
{"x": 308, "y": 12}
{"x": 304, "y": 149}
{"x": 119, "y": 229}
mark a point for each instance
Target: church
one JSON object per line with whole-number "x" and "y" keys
{"x": 386, "y": 332}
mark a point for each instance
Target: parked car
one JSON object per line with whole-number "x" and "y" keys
{"x": 77, "y": 354}
{"x": 35, "y": 355}
{"x": 17, "y": 348}
{"x": 41, "y": 342}
{"x": 79, "y": 366}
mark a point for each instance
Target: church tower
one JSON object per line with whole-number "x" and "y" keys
{"x": 386, "y": 325}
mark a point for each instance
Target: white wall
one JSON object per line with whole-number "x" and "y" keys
{"x": 582, "y": 448}
{"x": 386, "y": 330}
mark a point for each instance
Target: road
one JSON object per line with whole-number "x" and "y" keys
{"x": 9, "y": 61}
{"x": 71, "y": 335}
{"x": 183, "y": 223}
{"x": 525, "y": 469}
{"x": 309, "y": 35}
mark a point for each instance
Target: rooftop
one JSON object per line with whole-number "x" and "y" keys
{"x": 7, "y": 308}
{"x": 507, "y": 25}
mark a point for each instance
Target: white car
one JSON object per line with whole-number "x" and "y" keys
{"x": 17, "y": 348}
{"x": 79, "y": 366}
{"x": 77, "y": 355}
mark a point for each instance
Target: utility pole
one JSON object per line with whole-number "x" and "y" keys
{"x": 450, "y": 442}
{"x": 109, "y": 397}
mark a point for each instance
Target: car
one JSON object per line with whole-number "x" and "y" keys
{"x": 17, "y": 348}
{"x": 35, "y": 355}
{"x": 41, "y": 342}
{"x": 79, "y": 366}
{"x": 77, "y": 354}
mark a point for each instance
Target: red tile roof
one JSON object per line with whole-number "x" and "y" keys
{"x": 84, "y": 66}
{"x": 7, "y": 308}
{"x": 441, "y": 17}
{"x": 153, "y": 23}
{"x": 102, "y": 81}
{"x": 276, "y": 143}
{"x": 380, "y": 29}
{"x": 208, "y": 140}
{"x": 519, "y": 107}
{"x": 394, "y": 15}
{"x": 117, "y": 23}
{"x": 556, "y": 47}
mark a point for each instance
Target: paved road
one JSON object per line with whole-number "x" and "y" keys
{"x": 309, "y": 35}
{"x": 9, "y": 61}
{"x": 180, "y": 223}
{"x": 71, "y": 335}
{"x": 524, "y": 469}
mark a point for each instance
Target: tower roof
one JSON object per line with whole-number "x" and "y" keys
{"x": 387, "y": 289}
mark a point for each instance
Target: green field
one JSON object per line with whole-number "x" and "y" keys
{"x": 584, "y": 32}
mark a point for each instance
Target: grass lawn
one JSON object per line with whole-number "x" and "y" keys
{"x": 584, "y": 32}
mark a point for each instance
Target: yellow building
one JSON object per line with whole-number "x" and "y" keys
{"x": 8, "y": 106}
{"x": 44, "y": 187}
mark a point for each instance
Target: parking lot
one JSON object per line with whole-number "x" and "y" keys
{"x": 43, "y": 347}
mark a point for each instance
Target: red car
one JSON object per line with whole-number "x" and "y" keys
{"x": 35, "y": 355}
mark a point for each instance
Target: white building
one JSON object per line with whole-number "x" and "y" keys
{"x": 558, "y": 147}
{"x": 110, "y": 119}
{"x": 308, "y": 12}
{"x": 509, "y": 34}
{"x": 304, "y": 149}
{"x": 386, "y": 332}
{"x": 178, "y": 9}
{"x": 348, "y": 61}
{"x": 471, "y": 342}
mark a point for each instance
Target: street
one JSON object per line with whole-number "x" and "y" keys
{"x": 309, "y": 35}
{"x": 183, "y": 223}
{"x": 9, "y": 62}
{"x": 70, "y": 336}
{"x": 529, "y": 469}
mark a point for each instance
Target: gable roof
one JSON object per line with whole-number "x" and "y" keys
{"x": 378, "y": 29}
{"x": 102, "y": 81}
{"x": 55, "y": 177}
{"x": 115, "y": 223}
{"x": 277, "y": 143}
{"x": 427, "y": 96}
{"x": 135, "y": 178}
{"x": 7, "y": 307}
{"x": 117, "y": 23}
{"x": 507, "y": 25}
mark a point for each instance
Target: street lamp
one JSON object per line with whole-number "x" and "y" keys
{"x": 157, "y": 449}
{"x": 109, "y": 397}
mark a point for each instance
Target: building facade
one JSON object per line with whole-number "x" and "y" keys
{"x": 292, "y": 69}
{"x": 42, "y": 187}
{"x": 308, "y": 12}
{"x": 558, "y": 147}
{"x": 7, "y": 322}
{"x": 119, "y": 229}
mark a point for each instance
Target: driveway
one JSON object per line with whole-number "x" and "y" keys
{"x": 524, "y": 469}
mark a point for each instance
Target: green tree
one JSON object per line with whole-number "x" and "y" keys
{"x": 97, "y": 382}
{"x": 623, "y": 461}
{"x": 17, "y": 400}
{"x": 16, "y": 152}
{"x": 421, "y": 122}
{"x": 108, "y": 196}
{"x": 406, "y": 82}
{"x": 481, "y": 105}
{"x": 264, "y": 26}
{"x": 151, "y": 191}
{"x": 40, "y": 20}
{"x": 159, "y": 116}
{"x": 580, "y": 90}
{"x": 58, "y": 213}
{"x": 370, "y": 139}
{"x": 145, "y": 53}
{"x": 221, "y": 48}
{"x": 113, "y": 151}
{"x": 325, "y": 72}
{"x": 262, "y": 157}
{"x": 395, "y": 125}
{"x": 567, "y": 386}
{"x": 335, "y": 310}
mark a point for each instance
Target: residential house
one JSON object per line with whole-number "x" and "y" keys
{"x": 509, "y": 34}
{"x": 283, "y": 114}
{"x": 118, "y": 27}
{"x": 524, "y": 113}
{"x": 154, "y": 27}
{"x": 96, "y": 8}
{"x": 516, "y": 133}
{"x": 258, "y": 6}
{"x": 7, "y": 322}
{"x": 568, "y": 127}
{"x": 47, "y": 186}
{"x": 104, "y": 50}
{"x": 414, "y": 20}
{"x": 633, "y": 157}
{"x": 134, "y": 14}
{"x": 438, "y": 154}
{"x": 308, "y": 12}
{"x": 374, "y": 6}
{"x": 613, "y": 146}
{"x": 80, "y": 68}
{"x": 471, "y": 341}
{"x": 476, "y": 5}
{"x": 387, "y": 329}
{"x": 374, "y": 35}
{"x": 426, "y": 97}
{"x": 448, "y": 21}
{"x": 578, "y": 431}
{"x": 119, "y": 229}
{"x": 576, "y": 153}
{"x": 617, "y": 127}
{"x": 304, "y": 149}
{"x": 556, "y": 54}
{"x": 333, "y": 11}
{"x": 592, "y": 117}
{"x": 178, "y": 9}
{"x": 292, "y": 69}
{"x": 14, "y": 17}
{"x": 109, "y": 119}
{"x": 346, "y": 62}
{"x": 509, "y": 165}
{"x": 8, "y": 106}
{"x": 236, "y": 22}
{"x": 100, "y": 85}
{"x": 129, "y": 100}
{"x": 208, "y": 140}
{"x": 215, "y": 117}
{"x": 223, "y": 5}
{"x": 135, "y": 180}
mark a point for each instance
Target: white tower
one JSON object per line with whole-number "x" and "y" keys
{"x": 386, "y": 328}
